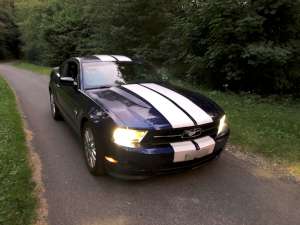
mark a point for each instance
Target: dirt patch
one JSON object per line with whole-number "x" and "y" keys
{"x": 36, "y": 166}
{"x": 263, "y": 167}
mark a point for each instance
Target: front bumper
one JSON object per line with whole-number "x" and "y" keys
{"x": 146, "y": 162}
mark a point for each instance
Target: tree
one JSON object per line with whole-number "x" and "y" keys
{"x": 9, "y": 33}
{"x": 138, "y": 26}
{"x": 244, "y": 45}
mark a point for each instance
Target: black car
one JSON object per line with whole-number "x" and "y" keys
{"x": 133, "y": 128}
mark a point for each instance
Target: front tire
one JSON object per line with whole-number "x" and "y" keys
{"x": 94, "y": 155}
{"x": 54, "y": 110}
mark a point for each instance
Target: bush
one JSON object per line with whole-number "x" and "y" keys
{"x": 250, "y": 46}
{"x": 241, "y": 45}
{"x": 9, "y": 33}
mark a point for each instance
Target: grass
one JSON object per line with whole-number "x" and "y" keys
{"x": 34, "y": 68}
{"x": 17, "y": 201}
{"x": 261, "y": 125}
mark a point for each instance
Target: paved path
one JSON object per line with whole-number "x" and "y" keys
{"x": 224, "y": 192}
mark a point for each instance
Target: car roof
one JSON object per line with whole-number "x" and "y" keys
{"x": 105, "y": 58}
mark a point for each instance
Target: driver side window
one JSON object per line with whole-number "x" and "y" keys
{"x": 70, "y": 69}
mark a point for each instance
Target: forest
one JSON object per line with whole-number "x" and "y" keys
{"x": 248, "y": 46}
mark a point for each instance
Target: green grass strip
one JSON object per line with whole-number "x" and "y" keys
{"x": 261, "y": 125}
{"x": 32, "y": 67}
{"x": 17, "y": 201}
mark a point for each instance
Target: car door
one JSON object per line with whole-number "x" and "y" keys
{"x": 68, "y": 94}
{"x": 59, "y": 88}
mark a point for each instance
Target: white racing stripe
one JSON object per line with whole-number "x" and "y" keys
{"x": 106, "y": 58}
{"x": 176, "y": 117}
{"x": 186, "y": 150}
{"x": 122, "y": 58}
{"x": 198, "y": 114}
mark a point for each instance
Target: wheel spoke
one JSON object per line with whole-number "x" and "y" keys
{"x": 52, "y": 104}
{"x": 90, "y": 149}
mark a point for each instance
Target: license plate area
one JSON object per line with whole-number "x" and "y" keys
{"x": 187, "y": 151}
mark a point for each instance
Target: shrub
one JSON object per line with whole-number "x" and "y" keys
{"x": 244, "y": 45}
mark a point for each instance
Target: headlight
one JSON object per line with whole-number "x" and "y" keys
{"x": 222, "y": 125}
{"x": 128, "y": 137}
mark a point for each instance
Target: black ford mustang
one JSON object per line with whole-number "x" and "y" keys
{"x": 133, "y": 128}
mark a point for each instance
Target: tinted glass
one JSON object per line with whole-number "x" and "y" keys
{"x": 103, "y": 74}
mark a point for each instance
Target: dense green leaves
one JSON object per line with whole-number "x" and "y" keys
{"x": 9, "y": 34}
{"x": 246, "y": 45}
{"x": 64, "y": 28}
{"x": 250, "y": 45}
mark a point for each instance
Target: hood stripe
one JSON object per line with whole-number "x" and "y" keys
{"x": 175, "y": 116}
{"x": 194, "y": 121}
{"x": 194, "y": 111}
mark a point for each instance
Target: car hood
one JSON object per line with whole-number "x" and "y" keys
{"x": 153, "y": 106}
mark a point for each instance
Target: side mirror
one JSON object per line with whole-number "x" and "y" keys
{"x": 56, "y": 73}
{"x": 68, "y": 81}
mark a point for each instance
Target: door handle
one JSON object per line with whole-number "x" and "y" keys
{"x": 57, "y": 85}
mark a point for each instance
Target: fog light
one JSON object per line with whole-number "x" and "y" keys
{"x": 111, "y": 160}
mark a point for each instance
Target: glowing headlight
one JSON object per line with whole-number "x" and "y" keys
{"x": 222, "y": 125}
{"x": 127, "y": 137}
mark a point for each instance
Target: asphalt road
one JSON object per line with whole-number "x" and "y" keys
{"x": 227, "y": 191}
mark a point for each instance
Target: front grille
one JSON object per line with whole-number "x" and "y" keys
{"x": 167, "y": 136}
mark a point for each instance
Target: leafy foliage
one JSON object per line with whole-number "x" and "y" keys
{"x": 245, "y": 45}
{"x": 9, "y": 34}
{"x": 240, "y": 45}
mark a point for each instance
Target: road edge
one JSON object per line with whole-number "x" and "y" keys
{"x": 35, "y": 165}
{"x": 262, "y": 166}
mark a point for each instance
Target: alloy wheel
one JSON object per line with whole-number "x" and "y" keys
{"x": 90, "y": 148}
{"x": 52, "y": 104}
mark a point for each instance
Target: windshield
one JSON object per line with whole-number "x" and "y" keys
{"x": 107, "y": 74}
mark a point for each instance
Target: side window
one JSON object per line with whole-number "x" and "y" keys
{"x": 64, "y": 69}
{"x": 70, "y": 69}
